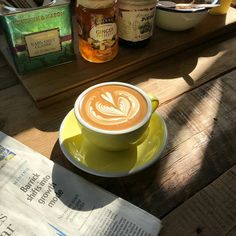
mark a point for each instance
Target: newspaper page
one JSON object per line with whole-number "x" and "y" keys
{"x": 39, "y": 197}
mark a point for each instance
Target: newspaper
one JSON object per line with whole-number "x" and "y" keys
{"x": 40, "y": 197}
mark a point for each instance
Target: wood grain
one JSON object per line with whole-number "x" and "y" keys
{"x": 7, "y": 76}
{"x": 201, "y": 144}
{"x": 2, "y": 60}
{"x": 174, "y": 76}
{"x": 20, "y": 118}
{"x": 211, "y": 211}
{"x": 5, "y": 72}
{"x": 59, "y": 82}
{"x": 200, "y": 111}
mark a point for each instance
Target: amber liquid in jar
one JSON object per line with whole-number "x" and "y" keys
{"x": 97, "y": 30}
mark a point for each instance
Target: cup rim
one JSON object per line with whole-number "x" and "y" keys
{"x": 112, "y": 132}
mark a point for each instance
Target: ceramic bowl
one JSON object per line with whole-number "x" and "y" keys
{"x": 179, "y": 19}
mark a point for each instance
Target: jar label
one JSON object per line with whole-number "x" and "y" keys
{"x": 103, "y": 36}
{"x": 135, "y": 25}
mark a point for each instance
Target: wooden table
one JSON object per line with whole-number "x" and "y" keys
{"x": 192, "y": 188}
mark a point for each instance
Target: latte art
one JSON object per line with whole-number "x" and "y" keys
{"x": 113, "y": 107}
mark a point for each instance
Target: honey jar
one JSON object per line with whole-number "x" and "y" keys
{"x": 97, "y": 29}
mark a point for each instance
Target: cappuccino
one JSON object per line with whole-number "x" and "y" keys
{"x": 113, "y": 107}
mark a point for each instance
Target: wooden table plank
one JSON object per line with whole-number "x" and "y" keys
{"x": 2, "y": 60}
{"x": 211, "y": 211}
{"x": 166, "y": 79}
{"x": 20, "y": 117}
{"x": 201, "y": 125}
{"x": 194, "y": 68}
{"x": 202, "y": 128}
{"x": 56, "y": 83}
{"x": 174, "y": 76}
{"x": 201, "y": 145}
{"x": 7, "y": 76}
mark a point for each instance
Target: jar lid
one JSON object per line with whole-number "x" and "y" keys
{"x": 138, "y": 2}
{"x": 95, "y": 4}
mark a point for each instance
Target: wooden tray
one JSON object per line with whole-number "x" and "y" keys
{"x": 56, "y": 83}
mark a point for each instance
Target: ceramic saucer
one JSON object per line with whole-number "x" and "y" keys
{"x": 88, "y": 157}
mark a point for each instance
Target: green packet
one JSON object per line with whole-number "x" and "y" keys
{"x": 39, "y": 37}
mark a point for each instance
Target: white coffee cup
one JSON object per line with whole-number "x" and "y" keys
{"x": 117, "y": 139}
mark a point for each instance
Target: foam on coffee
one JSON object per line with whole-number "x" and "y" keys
{"x": 113, "y": 107}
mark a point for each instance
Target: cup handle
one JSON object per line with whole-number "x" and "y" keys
{"x": 155, "y": 102}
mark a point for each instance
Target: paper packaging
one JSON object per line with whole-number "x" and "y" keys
{"x": 39, "y": 37}
{"x": 39, "y": 197}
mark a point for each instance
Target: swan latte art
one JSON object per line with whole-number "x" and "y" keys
{"x": 113, "y": 107}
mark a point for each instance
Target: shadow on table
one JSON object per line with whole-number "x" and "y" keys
{"x": 58, "y": 157}
{"x": 33, "y": 117}
{"x": 88, "y": 157}
{"x": 76, "y": 193}
{"x": 158, "y": 193}
{"x": 217, "y": 156}
{"x": 175, "y": 186}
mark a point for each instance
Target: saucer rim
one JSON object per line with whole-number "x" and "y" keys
{"x": 78, "y": 164}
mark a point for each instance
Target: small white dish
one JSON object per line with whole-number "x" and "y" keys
{"x": 185, "y": 6}
{"x": 179, "y": 19}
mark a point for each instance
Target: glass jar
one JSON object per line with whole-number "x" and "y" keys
{"x": 97, "y": 30}
{"x": 135, "y": 21}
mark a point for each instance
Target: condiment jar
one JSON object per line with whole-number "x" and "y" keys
{"x": 97, "y": 30}
{"x": 135, "y": 21}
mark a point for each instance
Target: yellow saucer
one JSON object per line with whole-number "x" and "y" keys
{"x": 90, "y": 158}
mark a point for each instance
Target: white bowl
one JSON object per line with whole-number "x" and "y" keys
{"x": 178, "y": 20}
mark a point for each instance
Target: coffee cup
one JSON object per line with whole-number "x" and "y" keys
{"x": 114, "y": 115}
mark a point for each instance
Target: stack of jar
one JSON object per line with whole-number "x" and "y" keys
{"x": 103, "y": 24}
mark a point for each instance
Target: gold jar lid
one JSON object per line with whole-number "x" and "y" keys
{"x": 95, "y": 4}
{"x": 137, "y": 2}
